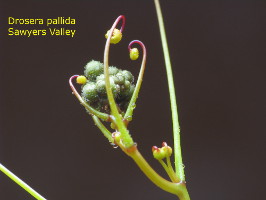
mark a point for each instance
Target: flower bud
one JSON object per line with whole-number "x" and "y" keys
{"x": 130, "y": 91}
{"x": 100, "y": 87}
{"x": 128, "y": 76}
{"x": 100, "y": 78}
{"x": 81, "y": 80}
{"x": 120, "y": 79}
{"x": 126, "y": 84}
{"x": 116, "y": 37}
{"x": 127, "y": 92}
{"x": 93, "y": 69}
{"x": 158, "y": 153}
{"x": 168, "y": 150}
{"x": 89, "y": 92}
{"x": 134, "y": 54}
{"x": 113, "y": 70}
{"x": 154, "y": 148}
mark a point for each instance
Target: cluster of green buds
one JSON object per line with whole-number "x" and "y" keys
{"x": 109, "y": 93}
{"x": 94, "y": 87}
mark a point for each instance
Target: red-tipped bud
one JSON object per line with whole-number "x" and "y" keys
{"x": 154, "y": 148}
{"x": 158, "y": 153}
{"x": 167, "y": 149}
{"x": 164, "y": 144}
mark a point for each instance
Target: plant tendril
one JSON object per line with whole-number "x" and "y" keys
{"x": 131, "y": 106}
{"x": 101, "y": 115}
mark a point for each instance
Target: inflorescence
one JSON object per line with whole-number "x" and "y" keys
{"x": 94, "y": 89}
{"x": 109, "y": 93}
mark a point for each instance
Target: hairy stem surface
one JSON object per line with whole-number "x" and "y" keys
{"x": 176, "y": 128}
{"x": 127, "y": 139}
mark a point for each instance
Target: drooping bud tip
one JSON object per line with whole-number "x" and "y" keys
{"x": 116, "y": 36}
{"x": 81, "y": 80}
{"x": 134, "y": 54}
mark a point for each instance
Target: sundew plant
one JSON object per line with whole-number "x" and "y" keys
{"x": 109, "y": 94}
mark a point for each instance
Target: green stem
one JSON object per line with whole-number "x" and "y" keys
{"x": 178, "y": 189}
{"x": 171, "y": 170}
{"x": 101, "y": 115}
{"x": 167, "y": 170}
{"x": 109, "y": 92}
{"x": 131, "y": 106}
{"x": 117, "y": 118}
{"x": 176, "y": 129}
{"x": 104, "y": 130}
{"x": 20, "y": 183}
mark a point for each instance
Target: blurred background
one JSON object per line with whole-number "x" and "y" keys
{"x": 218, "y": 56}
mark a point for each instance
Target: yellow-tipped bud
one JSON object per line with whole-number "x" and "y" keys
{"x": 81, "y": 80}
{"x": 134, "y": 54}
{"x": 116, "y": 37}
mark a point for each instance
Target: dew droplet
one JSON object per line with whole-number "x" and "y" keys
{"x": 129, "y": 118}
{"x": 114, "y": 146}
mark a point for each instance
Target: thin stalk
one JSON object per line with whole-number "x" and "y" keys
{"x": 127, "y": 139}
{"x": 102, "y": 128}
{"x": 131, "y": 106}
{"x": 101, "y": 115}
{"x": 20, "y": 183}
{"x": 176, "y": 128}
{"x": 171, "y": 170}
{"x": 109, "y": 92}
{"x": 167, "y": 170}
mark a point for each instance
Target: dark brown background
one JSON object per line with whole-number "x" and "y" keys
{"x": 218, "y": 56}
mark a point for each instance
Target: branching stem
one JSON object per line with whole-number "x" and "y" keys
{"x": 167, "y": 170}
{"x": 171, "y": 170}
{"x": 179, "y": 189}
